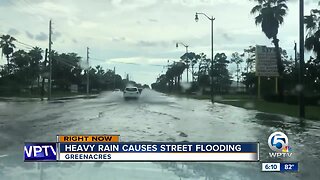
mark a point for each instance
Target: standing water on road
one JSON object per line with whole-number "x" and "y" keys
{"x": 154, "y": 117}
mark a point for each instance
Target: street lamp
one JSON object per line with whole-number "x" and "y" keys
{"x": 196, "y": 18}
{"x": 186, "y": 46}
{"x": 211, "y": 19}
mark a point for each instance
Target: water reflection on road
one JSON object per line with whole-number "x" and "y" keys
{"x": 154, "y": 117}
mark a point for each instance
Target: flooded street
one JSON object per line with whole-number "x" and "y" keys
{"x": 154, "y": 117}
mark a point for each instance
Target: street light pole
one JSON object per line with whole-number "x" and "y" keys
{"x": 50, "y": 62}
{"x": 186, "y": 46}
{"x": 211, "y": 19}
{"x": 301, "y": 59}
{"x": 88, "y": 69}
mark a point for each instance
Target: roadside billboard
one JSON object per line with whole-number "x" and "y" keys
{"x": 266, "y": 61}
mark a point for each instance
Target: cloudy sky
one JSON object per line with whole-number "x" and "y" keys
{"x": 138, "y": 36}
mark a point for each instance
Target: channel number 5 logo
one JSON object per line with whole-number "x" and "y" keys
{"x": 278, "y": 141}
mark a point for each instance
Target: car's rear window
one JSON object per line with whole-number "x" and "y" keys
{"x": 131, "y": 89}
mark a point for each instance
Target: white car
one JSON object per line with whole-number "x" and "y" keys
{"x": 131, "y": 93}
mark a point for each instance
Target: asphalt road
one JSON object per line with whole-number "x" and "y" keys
{"x": 154, "y": 117}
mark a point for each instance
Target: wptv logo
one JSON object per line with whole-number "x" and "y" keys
{"x": 278, "y": 142}
{"x": 40, "y": 151}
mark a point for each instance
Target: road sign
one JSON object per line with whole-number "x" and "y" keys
{"x": 266, "y": 61}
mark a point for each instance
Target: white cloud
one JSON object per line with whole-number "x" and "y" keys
{"x": 142, "y": 31}
{"x": 143, "y": 61}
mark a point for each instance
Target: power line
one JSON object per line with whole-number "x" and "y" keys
{"x": 22, "y": 43}
{"x": 23, "y": 48}
{"x": 25, "y": 44}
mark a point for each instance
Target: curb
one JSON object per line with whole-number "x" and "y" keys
{"x": 19, "y": 99}
{"x": 77, "y": 97}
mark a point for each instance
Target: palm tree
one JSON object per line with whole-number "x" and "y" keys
{"x": 36, "y": 57}
{"x": 180, "y": 68}
{"x": 204, "y": 65}
{"x": 186, "y": 60}
{"x": 313, "y": 32}
{"x": 7, "y": 46}
{"x": 270, "y": 16}
{"x": 235, "y": 58}
{"x": 194, "y": 61}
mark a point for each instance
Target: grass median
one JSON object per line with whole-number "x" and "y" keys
{"x": 251, "y": 102}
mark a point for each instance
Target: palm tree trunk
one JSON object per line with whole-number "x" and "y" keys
{"x": 42, "y": 89}
{"x": 192, "y": 72}
{"x": 187, "y": 73}
{"x": 237, "y": 76}
{"x": 7, "y": 59}
{"x": 280, "y": 67}
{"x": 178, "y": 86}
{"x": 175, "y": 82}
{"x": 8, "y": 68}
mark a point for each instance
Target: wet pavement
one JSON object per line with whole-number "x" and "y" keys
{"x": 154, "y": 117}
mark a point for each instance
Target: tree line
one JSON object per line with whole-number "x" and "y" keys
{"x": 199, "y": 67}
{"x": 25, "y": 71}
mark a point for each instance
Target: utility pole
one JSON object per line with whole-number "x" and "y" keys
{"x": 296, "y": 61}
{"x": 114, "y": 78}
{"x": 44, "y": 67}
{"x": 88, "y": 70}
{"x": 50, "y": 61}
{"x": 212, "y": 80}
{"x": 295, "y": 56}
{"x": 301, "y": 64}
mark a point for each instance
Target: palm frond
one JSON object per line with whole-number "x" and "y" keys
{"x": 262, "y": 1}
{"x": 309, "y": 43}
{"x": 259, "y": 19}
{"x": 281, "y": 1}
{"x": 272, "y": 1}
{"x": 282, "y": 6}
{"x": 310, "y": 22}
{"x": 280, "y": 19}
{"x": 279, "y": 12}
{"x": 256, "y": 9}
{"x": 315, "y": 11}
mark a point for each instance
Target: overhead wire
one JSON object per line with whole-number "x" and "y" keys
{"x": 25, "y": 44}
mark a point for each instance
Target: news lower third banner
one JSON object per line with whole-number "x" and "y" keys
{"x": 108, "y": 148}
